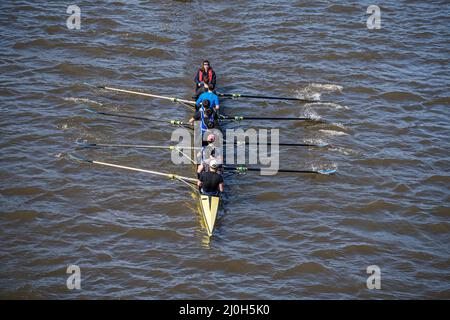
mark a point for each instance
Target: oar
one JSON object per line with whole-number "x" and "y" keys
{"x": 319, "y": 145}
{"x": 242, "y": 169}
{"x": 86, "y": 144}
{"x": 119, "y": 115}
{"x": 168, "y": 175}
{"x": 240, "y": 118}
{"x": 239, "y": 95}
{"x": 173, "y": 99}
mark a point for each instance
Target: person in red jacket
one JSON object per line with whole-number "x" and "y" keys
{"x": 205, "y": 75}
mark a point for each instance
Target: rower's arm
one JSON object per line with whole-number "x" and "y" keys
{"x": 221, "y": 187}
{"x": 196, "y": 116}
{"x": 216, "y": 102}
{"x": 199, "y": 181}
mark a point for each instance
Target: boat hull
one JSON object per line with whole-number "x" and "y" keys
{"x": 209, "y": 206}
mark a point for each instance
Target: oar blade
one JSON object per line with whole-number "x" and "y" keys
{"x": 327, "y": 171}
{"x": 90, "y": 110}
{"x": 84, "y": 144}
{"x": 322, "y": 145}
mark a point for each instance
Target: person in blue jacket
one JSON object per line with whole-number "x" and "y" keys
{"x": 211, "y": 96}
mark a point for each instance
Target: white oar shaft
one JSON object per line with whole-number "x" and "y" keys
{"x": 149, "y": 95}
{"x": 131, "y": 146}
{"x": 143, "y": 146}
{"x": 169, "y": 175}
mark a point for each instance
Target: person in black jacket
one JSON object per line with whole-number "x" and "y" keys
{"x": 211, "y": 182}
{"x": 205, "y": 76}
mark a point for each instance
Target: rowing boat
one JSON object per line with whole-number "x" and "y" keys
{"x": 209, "y": 206}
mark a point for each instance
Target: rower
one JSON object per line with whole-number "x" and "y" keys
{"x": 206, "y": 163}
{"x": 207, "y": 116}
{"x": 207, "y": 154}
{"x": 211, "y": 96}
{"x": 210, "y": 182}
{"x": 205, "y": 75}
{"x": 209, "y": 142}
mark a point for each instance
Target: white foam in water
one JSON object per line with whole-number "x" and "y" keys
{"x": 340, "y": 125}
{"x": 83, "y": 100}
{"x": 324, "y": 166}
{"x": 313, "y": 91}
{"x": 313, "y": 97}
{"x": 301, "y": 94}
{"x": 345, "y": 151}
{"x": 324, "y": 87}
{"x": 315, "y": 141}
{"x": 312, "y": 115}
{"x": 333, "y": 132}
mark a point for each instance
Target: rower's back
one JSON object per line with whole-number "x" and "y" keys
{"x": 211, "y": 181}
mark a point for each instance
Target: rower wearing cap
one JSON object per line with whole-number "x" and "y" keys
{"x": 205, "y": 75}
{"x": 210, "y": 182}
{"x": 211, "y": 96}
{"x": 206, "y": 163}
{"x": 208, "y": 154}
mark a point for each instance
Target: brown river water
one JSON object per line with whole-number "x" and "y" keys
{"x": 289, "y": 236}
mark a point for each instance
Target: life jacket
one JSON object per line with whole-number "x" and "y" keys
{"x": 210, "y": 75}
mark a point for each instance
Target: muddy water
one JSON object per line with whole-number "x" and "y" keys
{"x": 287, "y": 236}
